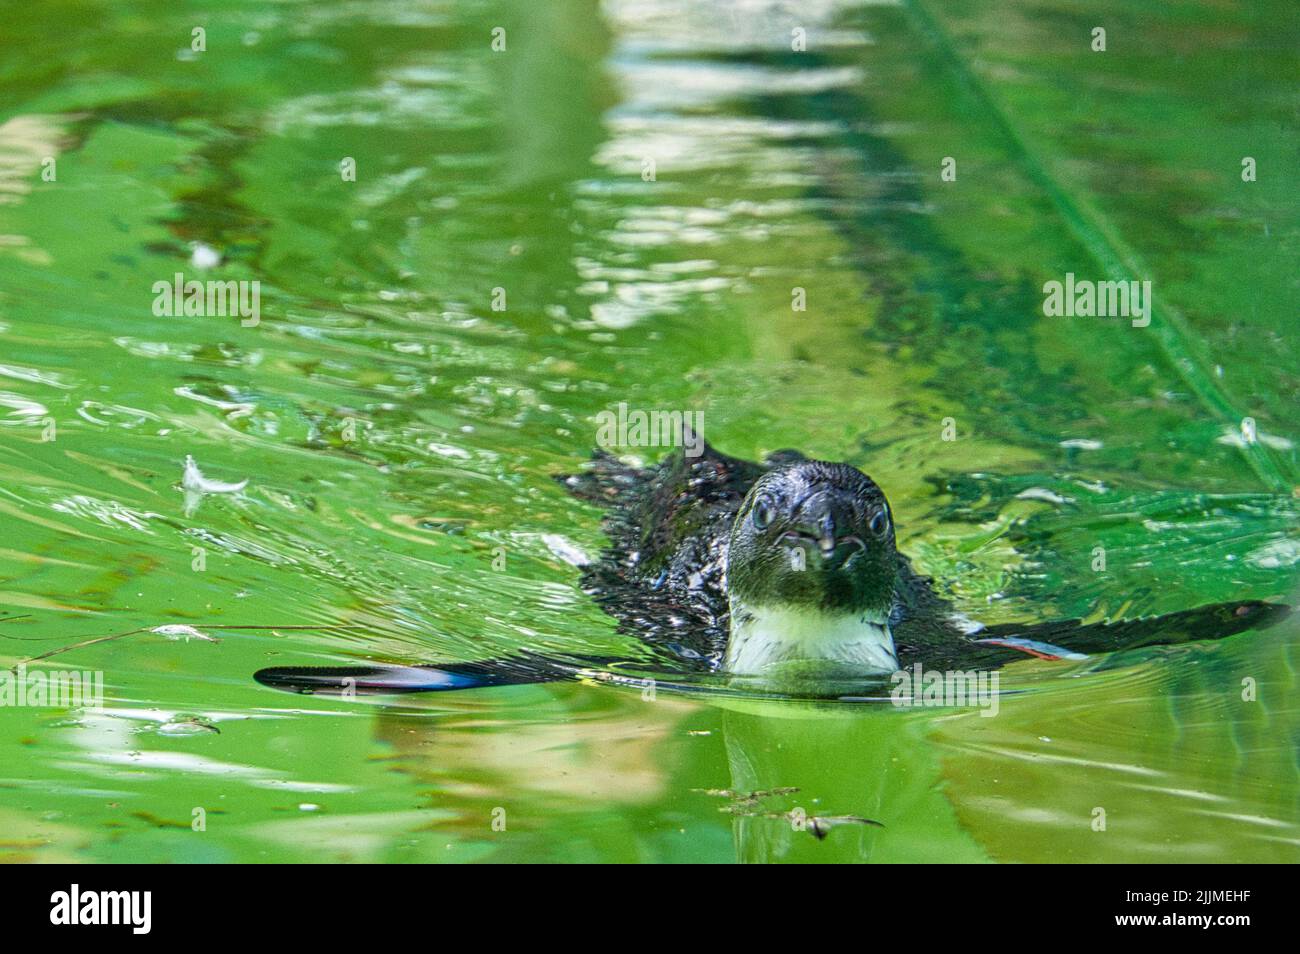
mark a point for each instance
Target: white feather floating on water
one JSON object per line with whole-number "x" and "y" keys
{"x": 196, "y": 485}
{"x": 193, "y": 480}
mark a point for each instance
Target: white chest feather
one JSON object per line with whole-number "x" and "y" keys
{"x": 762, "y": 637}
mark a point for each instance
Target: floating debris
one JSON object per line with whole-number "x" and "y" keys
{"x": 179, "y": 631}
{"x": 193, "y": 479}
{"x": 204, "y": 256}
{"x": 196, "y": 485}
{"x": 746, "y": 805}
{"x": 184, "y": 725}
{"x": 1233, "y": 437}
{"x": 819, "y": 826}
{"x": 1045, "y": 495}
{"x": 745, "y": 796}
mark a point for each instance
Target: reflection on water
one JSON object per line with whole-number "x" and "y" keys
{"x": 619, "y": 208}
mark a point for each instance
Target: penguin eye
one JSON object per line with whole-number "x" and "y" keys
{"x": 879, "y": 523}
{"x": 762, "y": 513}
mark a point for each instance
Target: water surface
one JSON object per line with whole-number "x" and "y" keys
{"x": 399, "y": 435}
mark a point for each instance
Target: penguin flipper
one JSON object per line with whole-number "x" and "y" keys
{"x": 1214, "y": 621}
{"x": 394, "y": 679}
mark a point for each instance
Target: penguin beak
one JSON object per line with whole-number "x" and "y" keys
{"x": 825, "y": 523}
{"x": 826, "y": 536}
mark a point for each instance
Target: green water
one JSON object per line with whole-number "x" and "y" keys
{"x": 399, "y": 433}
